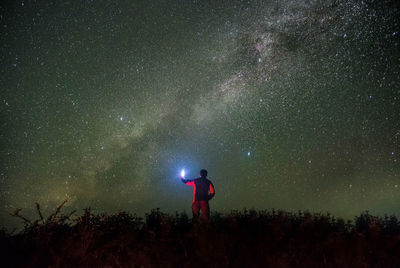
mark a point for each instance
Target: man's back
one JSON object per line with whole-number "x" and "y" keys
{"x": 202, "y": 189}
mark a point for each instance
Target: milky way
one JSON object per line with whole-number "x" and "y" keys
{"x": 290, "y": 105}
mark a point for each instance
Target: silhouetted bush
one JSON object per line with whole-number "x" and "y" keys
{"x": 391, "y": 225}
{"x": 239, "y": 239}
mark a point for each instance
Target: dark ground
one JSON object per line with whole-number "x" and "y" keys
{"x": 241, "y": 239}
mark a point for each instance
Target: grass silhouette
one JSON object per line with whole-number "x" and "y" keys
{"x": 245, "y": 238}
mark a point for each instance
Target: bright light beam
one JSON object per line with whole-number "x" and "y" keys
{"x": 182, "y": 173}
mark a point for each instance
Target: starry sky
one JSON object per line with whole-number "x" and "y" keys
{"x": 288, "y": 104}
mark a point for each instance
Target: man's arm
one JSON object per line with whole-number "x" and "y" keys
{"x": 187, "y": 182}
{"x": 211, "y": 191}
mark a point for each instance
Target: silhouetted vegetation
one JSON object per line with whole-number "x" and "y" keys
{"x": 239, "y": 239}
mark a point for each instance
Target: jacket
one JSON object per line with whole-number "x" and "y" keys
{"x": 203, "y": 189}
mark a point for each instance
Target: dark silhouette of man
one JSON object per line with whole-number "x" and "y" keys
{"x": 203, "y": 191}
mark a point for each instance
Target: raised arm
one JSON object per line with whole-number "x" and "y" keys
{"x": 187, "y": 182}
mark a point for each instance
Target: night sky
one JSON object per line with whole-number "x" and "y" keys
{"x": 290, "y": 105}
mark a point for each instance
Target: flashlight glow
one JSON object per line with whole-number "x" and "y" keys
{"x": 182, "y": 173}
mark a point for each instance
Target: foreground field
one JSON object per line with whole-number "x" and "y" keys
{"x": 240, "y": 239}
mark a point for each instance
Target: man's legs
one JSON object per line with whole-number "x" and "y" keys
{"x": 205, "y": 211}
{"x": 195, "y": 211}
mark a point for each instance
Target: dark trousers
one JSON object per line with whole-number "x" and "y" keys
{"x": 205, "y": 211}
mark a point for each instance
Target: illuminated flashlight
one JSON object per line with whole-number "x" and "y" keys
{"x": 182, "y": 173}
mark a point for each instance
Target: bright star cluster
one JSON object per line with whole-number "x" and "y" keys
{"x": 288, "y": 104}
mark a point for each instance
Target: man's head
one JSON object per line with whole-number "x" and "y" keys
{"x": 203, "y": 173}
